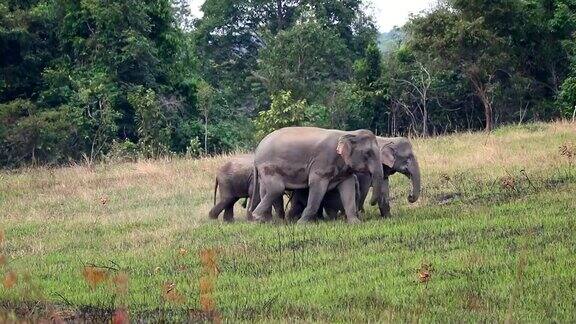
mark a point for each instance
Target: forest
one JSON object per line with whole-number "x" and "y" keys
{"x": 92, "y": 80}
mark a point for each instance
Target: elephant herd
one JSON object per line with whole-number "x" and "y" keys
{"x": 323, "y": 170}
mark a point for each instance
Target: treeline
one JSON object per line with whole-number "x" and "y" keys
{"x": 93, "y": 79}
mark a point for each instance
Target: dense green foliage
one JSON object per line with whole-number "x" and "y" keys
{"x": 77, "y": 75}
{"x": 469, "y": 64}
{"x": 83, "y": 79}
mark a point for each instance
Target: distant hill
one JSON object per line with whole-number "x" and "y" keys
{"x": 389, "y": 40}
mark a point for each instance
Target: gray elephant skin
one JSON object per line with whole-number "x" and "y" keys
{"x": 331, "y": 204}
{"x": 397, "y": 155}
{"x": 235, "y": 181}
{"x": 318, "y": 159}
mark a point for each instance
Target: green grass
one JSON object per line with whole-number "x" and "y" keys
{"x": 496, "y": 252}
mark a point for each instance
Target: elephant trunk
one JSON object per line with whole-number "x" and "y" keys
{"x": 377, "y": 183}
{"x": 414, "y": 175}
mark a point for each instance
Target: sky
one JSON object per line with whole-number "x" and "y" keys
{"x": 387, "y": 13}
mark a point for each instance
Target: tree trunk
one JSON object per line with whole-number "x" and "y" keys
{"x": 424, "y": 121}
{"x": 280, "y": 14}
{"x": 206, "y": 132}
{"x": 482, "y": 93}
{"x": 487, "y": 113}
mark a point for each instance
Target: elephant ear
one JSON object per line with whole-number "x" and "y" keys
{"x": 344, "y": 147}
{"x": 387, "y": 155}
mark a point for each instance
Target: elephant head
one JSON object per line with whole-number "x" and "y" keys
{"x": 360, "y": 152}
{"x": 397, "y": 156}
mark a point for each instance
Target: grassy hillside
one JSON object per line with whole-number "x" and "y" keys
{"x": 492, "y": 239}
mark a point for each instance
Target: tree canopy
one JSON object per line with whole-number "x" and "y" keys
{"x": 91, "y": 80}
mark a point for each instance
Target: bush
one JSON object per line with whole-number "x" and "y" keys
{"x": 194, "y": 148}
{"x": 284, "y": 111}
{"x": 47, "y": 137}
{"x": 568, "y": 97}
{"x": 124, "y": 151}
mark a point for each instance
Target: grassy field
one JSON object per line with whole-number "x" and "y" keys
{"x": 493, "y": 238}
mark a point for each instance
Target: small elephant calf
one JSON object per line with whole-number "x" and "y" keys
{"x": 235, "y": 181}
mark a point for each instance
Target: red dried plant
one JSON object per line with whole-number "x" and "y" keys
{"x": 10, "y": 279}
{"x": 94, "y": 276}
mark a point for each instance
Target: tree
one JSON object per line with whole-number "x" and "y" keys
{"x": 304, "y": 60}
{"x": 231, "y": 34}
{"x": 206, "y": 98}
{"x": 152, "y": 126}
{"x": 464, "y": 43}
{"x": 80, "y": 63}
{"x": 369, "y": 86}
{"x": 419, "y": 83}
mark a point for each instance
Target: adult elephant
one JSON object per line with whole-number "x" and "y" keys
{"x": 235, "y": 181}
{"x": 318, "y": 159}
{"x": 396, "y": 155}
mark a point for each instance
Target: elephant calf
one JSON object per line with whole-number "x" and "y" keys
{"x": 235, "y": 181}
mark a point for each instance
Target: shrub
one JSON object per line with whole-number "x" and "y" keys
{"x": 28, "y": 134}
{"x": 284, "y": 111}
{"x": 152, "y": 128}
{"x": 123, "y": 151}
{"x": 568, "y": 97}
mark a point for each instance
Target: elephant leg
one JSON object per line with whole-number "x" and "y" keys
{"x": 320, "y": 213}
{"x": 271, "y": 189}
{"x": 220, "y": 206}
{"x": 331, "y": 213}
{"x": 229, "y": 211}
{"x": 278, "y": 205}
{"x": 298, "y": 203}
{"x": 364, "y": 183}
{"x": 347, "y": 190}
{"x": 316, "y": 192}
{"x": 331, "y": 204}
{"x": 384, "y": 205}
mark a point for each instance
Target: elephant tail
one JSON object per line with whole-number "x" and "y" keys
{"x": 255, "y": 189}
{"x": 215, "y": 189}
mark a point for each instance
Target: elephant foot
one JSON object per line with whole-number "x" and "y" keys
{"x": 289, "y": 219}
{"x": 354, "y": 220}
{"x": 229, "y": 220}
{"x": 262, "y": 220}
{"x": 213, "y": 216}
{"x": 385, "y": 212}
{"x": 303, "y": 220}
